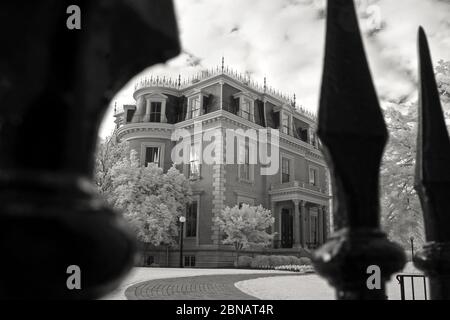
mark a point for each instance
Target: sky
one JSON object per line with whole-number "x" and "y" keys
{"x": 283, "y": 40}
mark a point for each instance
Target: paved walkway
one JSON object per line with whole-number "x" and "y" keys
{"x": 138, "y": 275}
{"x": 211, "y": 287}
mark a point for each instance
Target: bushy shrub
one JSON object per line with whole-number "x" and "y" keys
{"x": 293, "y": 260}
{"x": 296, "y": 268}
{"x": 244, "y": 262}
{"x": 305, "y": 261}
{"x": 259, "y": 261}
{"x": 264, "y": 262}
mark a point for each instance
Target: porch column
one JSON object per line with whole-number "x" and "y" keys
{"x": 297, "y": 240}
{"x": 320, "y": 224}
{"x": 272, "y": 209}
{"x": 325, "y": 223}
{"x": 304, "y": 223}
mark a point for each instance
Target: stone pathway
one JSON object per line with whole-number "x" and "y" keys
{"x": 211, "y": 287}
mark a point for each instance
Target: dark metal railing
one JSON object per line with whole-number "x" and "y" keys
{"x": 401, "y": 278}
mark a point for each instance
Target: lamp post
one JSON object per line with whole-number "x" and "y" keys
{"x": 412, "y": 248}
{"x": 182, "y": 220}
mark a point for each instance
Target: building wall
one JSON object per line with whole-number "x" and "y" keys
{"x": 219, "y": 185}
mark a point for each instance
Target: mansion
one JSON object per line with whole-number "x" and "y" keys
{"x": 297, "y": 194}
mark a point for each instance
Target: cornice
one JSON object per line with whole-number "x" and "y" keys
{"x": 159, "y": 130}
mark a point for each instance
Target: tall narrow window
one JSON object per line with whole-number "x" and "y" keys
{"x": 304, "y": 134}
{"x": 194, "y": 161}
{"x": 286, "y": 123}
{"x": 130, "y": 114}
{"x": 189, "y": 261}
{"x": 152, "y": 155}
{"x": 313, "y": 176}
{"x": 191, "y": 220}
{"x": 313, "y": 139}
{"x": 245, "y": 110}
{"x": 155, "y": 112}
{"x": 195, "y": 107}
{"x": 245, "y": 166}
{"x": 285, "y": 168}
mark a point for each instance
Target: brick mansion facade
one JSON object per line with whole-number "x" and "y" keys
{"x": 297, "y": 194}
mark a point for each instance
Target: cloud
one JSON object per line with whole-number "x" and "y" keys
{"x": 284, "y": 40}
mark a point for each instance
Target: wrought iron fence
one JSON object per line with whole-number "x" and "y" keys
{"x": 353, "y": 133}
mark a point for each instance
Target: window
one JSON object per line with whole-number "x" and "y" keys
{"x": 245, "y": 109}
{"x": 194, "y": 161}
{"x": 313, "y": 176}
{"x": 241, "y": 200}
{"x": 313, "y": 138}
{"x": 130, "y": 114}
{"x": 303, "y": 134}
{"x": 245, "y": 167}
{"x": 286, "y": 123}
{"x": 155, "y": 112}
{"x": 189, "y": 261}
{"x": 150, "y": 260}
{"x": 152, "y": 155}
{"x": 191, "y": 220}
{"x": 285, "y": 170}
{"x": 195, "y": 108}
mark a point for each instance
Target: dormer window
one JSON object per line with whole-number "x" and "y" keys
{"x": 246, "y": 105}
{"x": 194, "y": 107}
{"x": 155, "y": 112}
{"x": 129, "y": 111}
{"x": 129, "y": 115}
{"x": 286, "y": 123}
{"x": 245, "y": 111}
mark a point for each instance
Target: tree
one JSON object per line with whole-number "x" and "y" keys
{"x": 150, "y": 199}
{"x": 109, "y": 152}
{"x": 401, "y": 210}
{"x": 245, "y": 227}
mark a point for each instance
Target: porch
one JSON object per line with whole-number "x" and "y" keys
{"x": 301, "y": 217}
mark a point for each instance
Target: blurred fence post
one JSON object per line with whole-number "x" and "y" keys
{"x": 55, "y": 85}
{"x": 352, "y": 130}
{"x": 433, "y": 179}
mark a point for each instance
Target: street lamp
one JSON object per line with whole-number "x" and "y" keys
{"x": 182, "y": 220}
{"x": 412, "y": 248}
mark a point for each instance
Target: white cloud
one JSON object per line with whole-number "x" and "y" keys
{"x": 284, "y": 40}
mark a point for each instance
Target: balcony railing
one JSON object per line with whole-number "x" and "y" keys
{"x": 297, "y": 184}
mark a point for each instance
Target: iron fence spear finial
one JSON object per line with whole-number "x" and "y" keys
{"x": 353, "y": 132}
{"x": 433, "y": 178}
